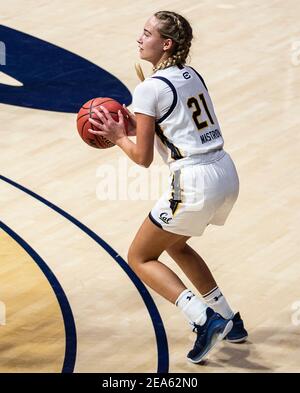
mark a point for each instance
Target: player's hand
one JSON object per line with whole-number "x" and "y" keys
{"x": 107, "y": 126}
{"x": 131, "y": 122}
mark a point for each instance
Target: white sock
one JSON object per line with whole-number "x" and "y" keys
{"x": 192, "y": 307}
{"x": 218, "y": 303}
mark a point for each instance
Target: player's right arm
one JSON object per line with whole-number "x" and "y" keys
{"x": 141, "y": 152}
{"x": 144, "y": 104}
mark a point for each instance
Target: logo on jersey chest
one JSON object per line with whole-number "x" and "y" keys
{"x": 186, "y": 75}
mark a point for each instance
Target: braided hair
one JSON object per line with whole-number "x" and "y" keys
{"x": 176, "y": 27}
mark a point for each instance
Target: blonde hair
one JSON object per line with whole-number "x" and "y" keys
{"x": 177, "y": 28}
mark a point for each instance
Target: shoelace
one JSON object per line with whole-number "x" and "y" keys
{"x": 195, "y": 329}
{"x": 200, "y": 335}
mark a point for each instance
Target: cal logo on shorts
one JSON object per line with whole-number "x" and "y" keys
{"x": 164, "y": 217}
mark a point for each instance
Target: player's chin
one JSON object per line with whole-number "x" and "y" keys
{"x": 142, "y": 54}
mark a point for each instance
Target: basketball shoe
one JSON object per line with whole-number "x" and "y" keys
{"x": 238, "y": 333}
{"x": 208, "y": 335}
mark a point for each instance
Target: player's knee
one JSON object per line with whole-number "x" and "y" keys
{"x": 133, "y": 258}
{"x": 136, "y": 258}
{"x": 177, "y": 248}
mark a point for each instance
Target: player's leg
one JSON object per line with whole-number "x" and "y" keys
{"x": 195, "y": 268}
{"x": 217, "y": 185}
{"x": 146, "y": 248}
{"x": 192, "y": 265}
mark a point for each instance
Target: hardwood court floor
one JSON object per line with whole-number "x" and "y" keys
{"x": 247, "y": 53}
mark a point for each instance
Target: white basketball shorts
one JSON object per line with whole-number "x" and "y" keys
{"x": 202, "y": 190}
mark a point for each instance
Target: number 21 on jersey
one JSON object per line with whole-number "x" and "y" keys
{"x": 195, "y": 104}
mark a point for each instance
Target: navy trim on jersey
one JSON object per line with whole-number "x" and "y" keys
{"x": 174, "y": 99}
{"x": 180, "y": 66}
{"x": 154, "y": 221}
{"x": 202, "y": 80}
{"x": 175, "y": 152}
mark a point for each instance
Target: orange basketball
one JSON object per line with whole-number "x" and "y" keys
{"x": 86, "y": 111}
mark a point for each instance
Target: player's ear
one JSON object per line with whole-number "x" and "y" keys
{"x": 168, "y": 42}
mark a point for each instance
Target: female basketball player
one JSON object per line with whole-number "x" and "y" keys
{"x": 173, "y": 110}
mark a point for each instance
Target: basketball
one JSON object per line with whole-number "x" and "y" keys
{"x": 87, "y": 111}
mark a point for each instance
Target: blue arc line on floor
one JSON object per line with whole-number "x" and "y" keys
{"x": 70, "y": 329}
{"x": 160, "y": 334}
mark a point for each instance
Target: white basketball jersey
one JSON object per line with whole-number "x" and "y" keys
{"x": 190, "y": 126}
